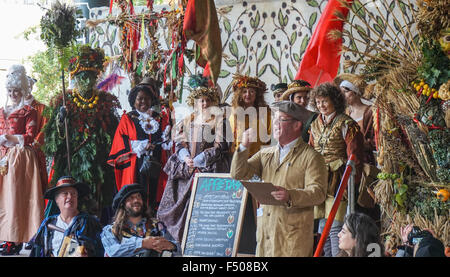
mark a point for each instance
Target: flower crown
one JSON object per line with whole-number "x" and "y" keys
{"x": 88, "y": 59}
{"x": 244, "y": 81}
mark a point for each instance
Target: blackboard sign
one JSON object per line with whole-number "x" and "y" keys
{"x": 215, "y": 215}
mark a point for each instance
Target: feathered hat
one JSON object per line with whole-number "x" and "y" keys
{"x": 351, "y": 82}
{"x": 88, "y": 59}
{"x": 17, "y": 78}
{"x": 296, "y": 86}
{"x": 199, "y": 88}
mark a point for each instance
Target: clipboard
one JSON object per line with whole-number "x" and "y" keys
{"x": 261, "y": 191}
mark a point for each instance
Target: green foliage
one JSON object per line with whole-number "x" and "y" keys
{"x": 440, "y": 143}
{"x": 435, "y": 67}
{"x": 424, "y": 199}
{"x": 59, "y": 26}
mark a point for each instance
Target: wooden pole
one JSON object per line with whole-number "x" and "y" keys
{"x": 66, "y": 128}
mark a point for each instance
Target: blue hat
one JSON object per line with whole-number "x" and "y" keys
{"x": 126, "y": 191}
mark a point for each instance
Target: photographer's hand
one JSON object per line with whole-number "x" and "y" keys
{"x": 405, "y": 232}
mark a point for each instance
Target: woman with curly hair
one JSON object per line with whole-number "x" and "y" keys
{"x": 335, "y": 136}
{"x": 200, "y": 146}
{"x": 250, "y": 110}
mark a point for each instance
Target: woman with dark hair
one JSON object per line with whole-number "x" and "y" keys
{"x": 357, "y": 235}
{"x": 335, "y": 136}
{"x": 136, "y": 150}
{"x": 200, "y": 146}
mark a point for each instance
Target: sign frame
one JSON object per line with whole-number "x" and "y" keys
{"x": 240, "y": 219}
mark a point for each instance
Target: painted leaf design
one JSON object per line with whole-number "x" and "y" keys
{"x": 274, "y": 69}
{"x": 257, "y": 19}
{"x": 293, "y": 38}
{"x": 224, "y": 74}
{"x": 280, "y": 18}
{"x": 312, "y": 19}
{"x": 312, "y": 3}
{"x": 113, "y": 36}
{"x": 291, "y": 76}
{"x": 262, "y": 70}
{"x": 241, "y": 60}
{"x": 378, "y": 29}
{"x": 245, "y": 41}
{"x": 392, "y": 6}
{"x": 234, "y": 49}
{"x": 296, "y": 57}
{"x": 262, "y": 55}
{"x": 305, "y": 42}
{"x": 397, "y": 25}
{"x": 358, "y": 8}
{"x": 362, "y": 33}
{"x": 274, "y": 53}
{"x": 231, "y": 63}
{"x": 227, "y": 25}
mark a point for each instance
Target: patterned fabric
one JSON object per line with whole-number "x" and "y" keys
{"x": 85, "y": 229}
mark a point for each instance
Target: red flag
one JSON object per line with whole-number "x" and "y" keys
{"x": 320, "y": 62}
{"x": 202, "y": 25}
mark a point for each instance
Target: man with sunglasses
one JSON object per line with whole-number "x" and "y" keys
{"x": 300, "y": 176}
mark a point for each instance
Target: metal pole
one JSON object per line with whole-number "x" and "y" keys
{"x": 351, "y": 188}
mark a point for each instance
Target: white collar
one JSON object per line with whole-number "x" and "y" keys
{"x": 289, "y": 145}
{"x": 327, "y": 118}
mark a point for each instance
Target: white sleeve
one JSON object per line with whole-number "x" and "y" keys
{"x": 138, "y": 146}
{"x": 182, "y": 154}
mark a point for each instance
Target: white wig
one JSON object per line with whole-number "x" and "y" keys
{"x": 17, "y": 78}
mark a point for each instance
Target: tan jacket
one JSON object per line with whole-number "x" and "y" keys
{"x": 283, "y": 231}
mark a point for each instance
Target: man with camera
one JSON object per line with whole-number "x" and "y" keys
{"x": 134, "y": 233}
{"x": 419, "y": 243}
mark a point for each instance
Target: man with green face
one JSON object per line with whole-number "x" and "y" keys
{"x": 91, "y": 122}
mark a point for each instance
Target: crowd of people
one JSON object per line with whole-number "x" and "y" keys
{"x": 300, "y": 143}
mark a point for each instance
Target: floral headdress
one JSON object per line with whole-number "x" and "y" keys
{"x": 88, "y": 59}
{"x": 244, "y": 81}
{"x": 199, "y": 88}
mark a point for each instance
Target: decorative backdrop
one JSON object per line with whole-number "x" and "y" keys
{"x": 267, "y": 39}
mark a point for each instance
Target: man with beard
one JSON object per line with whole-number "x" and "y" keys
{"x": 134, "y": 233}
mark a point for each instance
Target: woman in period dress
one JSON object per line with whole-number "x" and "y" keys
{"x": 194, "y": 153}
{"x": 21, "y": 195}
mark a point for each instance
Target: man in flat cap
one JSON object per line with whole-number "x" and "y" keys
{"x": 300, "y": 176}
{"x": 134, "y": 233}
{"x": 70, "y": 233}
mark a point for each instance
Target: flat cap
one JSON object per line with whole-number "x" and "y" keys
{"x": 293, "y": 109}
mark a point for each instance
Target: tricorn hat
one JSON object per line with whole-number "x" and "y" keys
{"x": 64, "y": 182}
{"x": 126, "y": 191}
{"x": 296, "y": 86}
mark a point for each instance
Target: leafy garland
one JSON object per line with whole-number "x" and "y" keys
{"x": 90, "y": 136}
